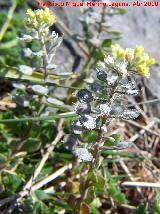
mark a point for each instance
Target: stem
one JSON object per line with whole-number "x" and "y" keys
{"x": 45, "y": 54}
{"x": 9, "y": 18}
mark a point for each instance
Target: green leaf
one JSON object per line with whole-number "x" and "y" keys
{"x": 97, "y": 180}
{"x": 106, "y": 43}
{"x": 157, "y": 204}
{"x": 32, "y": 145}
{"x": 120, "y": 197}
{"x": 57, "y": 116}
{"x": 13, "y": 182}
{"x": 140, "y": 209}
{"x": 90, "y": 195}
{"x": 41, "y": 195}
{"x": 115, "y": 193}
{"x": 113, "y": 140}
{"x": 99, "y": 55}
{"x": 121, "y": 10}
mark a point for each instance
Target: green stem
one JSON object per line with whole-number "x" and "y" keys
{"x": 44, "y": 118}
{"x": 9, "y": 18}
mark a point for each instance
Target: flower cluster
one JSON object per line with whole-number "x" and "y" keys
{"x": 99, "y": 103}
{"x": 38, "y": 23}
{"x": 40, "y": 17}
{"x": 133, "y": 59}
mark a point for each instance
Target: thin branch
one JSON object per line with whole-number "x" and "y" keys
{"x": 44, "y": 118}
{"x": 141, "y": 184}
{"x": 143, "y": 127}
{"x": 43, "y": 160}
{"x": 36, "y": 186}
{"x": 9, "y": 18}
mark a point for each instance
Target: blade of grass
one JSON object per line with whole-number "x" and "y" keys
{"x": 45, "y": 118}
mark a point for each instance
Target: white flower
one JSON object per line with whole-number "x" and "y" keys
{"x": 25, "y": 69}
{"x": 83, "y": 154}
{"x": 109, "y": 60}
{"x": 122, "y": 68}
{"x": 40, "y": 89}
{"x": 129, "y": 54}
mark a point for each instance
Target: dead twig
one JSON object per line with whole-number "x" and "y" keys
{"x": 36, "y": 186}
{"x": 141, "y": 184}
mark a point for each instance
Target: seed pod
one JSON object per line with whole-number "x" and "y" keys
{"x": 40, "y": 89}
{"x": 123, "y": 145}
{"x": 102, "y": 75}
{"x": 26, "y": 52}
{"x": 77, "y": 127}
{"x": 96, "y": 87}
{"x": 25, "y": 69}
{"x": 105, "y": 90}
{"x": 85, "y": 96}
{"x": 88, "y": 122}
{"x": 19, "y": 86}
{"x": 83, "y": 154}
{"x": 21, "y": 101}
{"x": 25, "y": 38}
{"x": 38, "y": 53}
{"x": 70, "y": 141}
{"x": 104, "y": 109}
{"x": 130, "y": 114}
{"x": 132, "y": 92}
{"x": 55, "y": 101}
{"x": 117, "y": 110}
{"x": 82, "y": 108}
